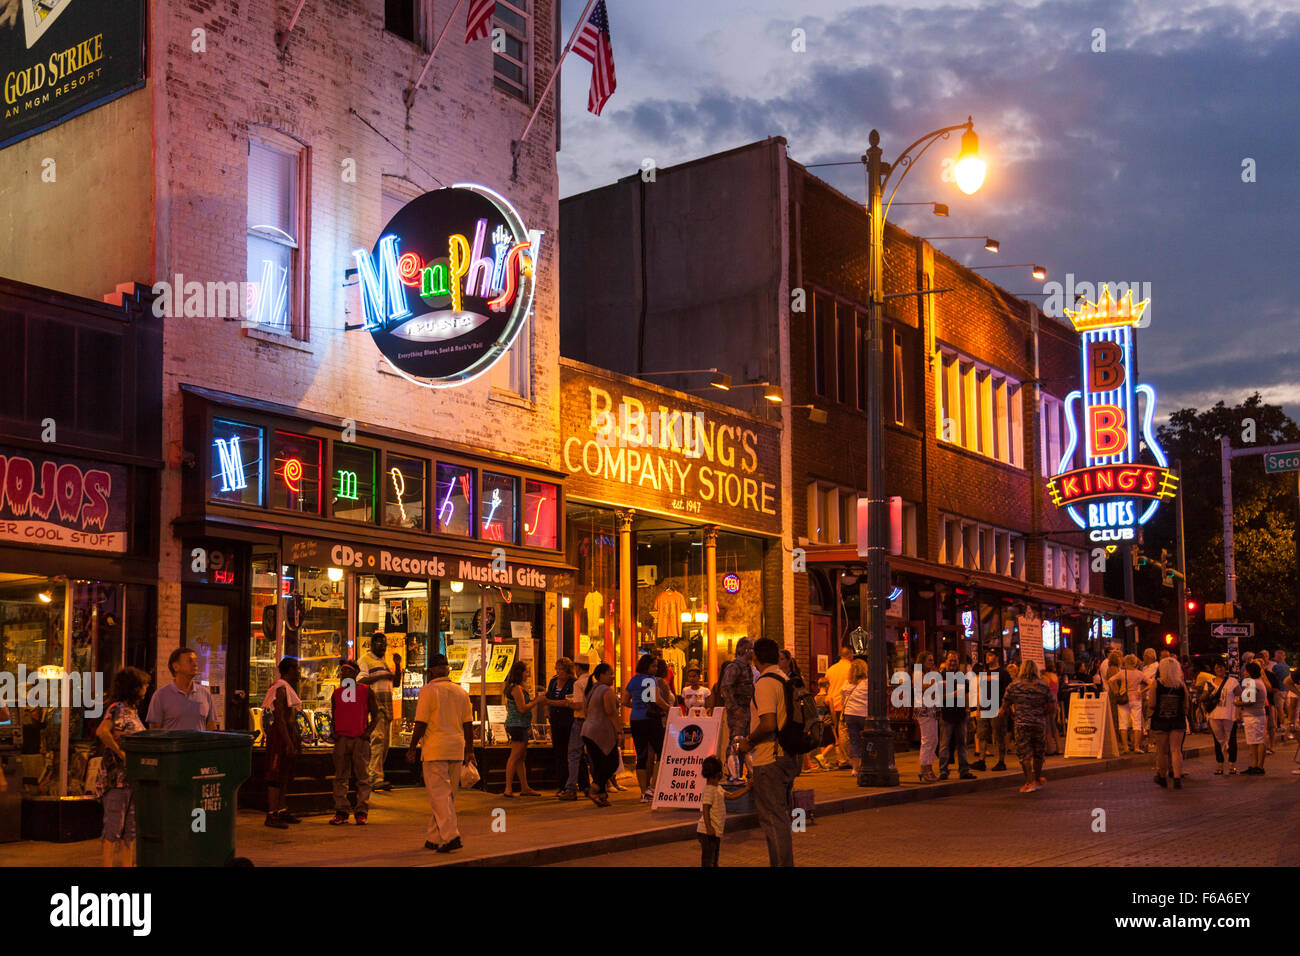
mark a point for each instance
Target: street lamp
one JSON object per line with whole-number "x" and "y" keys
{"x": 992, "y": 245}
{"x": 1035, "y": 270}
{"x": 877, "y": 768}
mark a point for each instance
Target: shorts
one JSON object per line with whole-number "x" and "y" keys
{"x": 1030, "y": 742}
{"x": 119, "y": 815}
{"x": 279, "y": 767}
{"x": 1130, "y": 714}
{"x": 647, "y": 736}
{"x": 1256, "y": 728}
{"x": 520, "y": 734}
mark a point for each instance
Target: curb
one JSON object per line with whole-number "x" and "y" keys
{"x": 677, "y": 832}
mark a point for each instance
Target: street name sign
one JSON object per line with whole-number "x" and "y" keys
{"x": 1277, "y": 462}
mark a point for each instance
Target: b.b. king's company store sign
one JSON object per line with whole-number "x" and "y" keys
{"x": 634, "y": 447}
{"x": 1113, "y": 493}
{"x": 62, "y": 502}
{"x": 449, "y": 284}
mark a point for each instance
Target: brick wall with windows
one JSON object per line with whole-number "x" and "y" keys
{"x": 988, "y": 486}
{"x": 242, "y": 114}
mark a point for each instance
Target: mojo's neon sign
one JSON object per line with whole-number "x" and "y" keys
{"x": 448, "y": 286}
{"x": 1115, "y": 492}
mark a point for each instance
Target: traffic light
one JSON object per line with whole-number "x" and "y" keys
{"x": 1191, "y": 606}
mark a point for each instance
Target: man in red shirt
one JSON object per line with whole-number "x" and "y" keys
{"x": 354, "y": 713}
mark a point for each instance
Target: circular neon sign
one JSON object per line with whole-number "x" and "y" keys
{"x": 449, "y": 285}
{"x": 731, "y": 583}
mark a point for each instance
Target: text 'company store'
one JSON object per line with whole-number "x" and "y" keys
{"x": 673, "y": 515}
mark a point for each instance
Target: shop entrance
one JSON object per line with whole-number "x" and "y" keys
{"x": 208, "y": 619}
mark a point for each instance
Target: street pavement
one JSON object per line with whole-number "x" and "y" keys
{"x": 540, "y": 830}
{"x": 1206, "y": 824}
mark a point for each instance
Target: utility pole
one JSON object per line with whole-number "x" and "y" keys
{"x": 1180, "y": 582}
{"x": 1229, "y": 558}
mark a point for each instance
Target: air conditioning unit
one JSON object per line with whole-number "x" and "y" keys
{"x": 646, "y": 575}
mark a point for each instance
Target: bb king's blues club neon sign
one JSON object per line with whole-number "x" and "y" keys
{"x": 1113, "y": 493}
{"x": 449, "y": 285}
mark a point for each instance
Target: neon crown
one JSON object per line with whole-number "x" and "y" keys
{"x": 1107, "y": 313}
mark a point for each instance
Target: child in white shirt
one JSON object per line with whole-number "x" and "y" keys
{"x": 713, "y": 811}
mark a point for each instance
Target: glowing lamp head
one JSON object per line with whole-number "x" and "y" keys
{"x": 1038, "y": 272}
{"x": 970, "y": 169}
{"x": 457, "y": 587}
{"x": 564, "y": 602}
{"x": 773, "y": 394}
{"x": 46, "y": 596}
{"x": 992, "y": 245}
{"x": 335, "y": 574}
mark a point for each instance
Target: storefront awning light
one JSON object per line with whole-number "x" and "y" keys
{"x": 701, "y": 617}
{"x": 686, "y": 617}
{"x": 457, "y": 587}
{"x": 335, "y": 574}
{"x": 46, "y": 596}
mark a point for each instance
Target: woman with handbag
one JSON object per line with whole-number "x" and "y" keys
{"x": 120, "y": 720}
{"x": 641, "y": 697}
{"x": 1167, "y": 700}
{"x": 601, "y": 732}
{"x": 1218, "y": 702}
{"x": 1127, "y": 686}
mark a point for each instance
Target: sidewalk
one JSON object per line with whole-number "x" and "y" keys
{"x": 542, "y": 829}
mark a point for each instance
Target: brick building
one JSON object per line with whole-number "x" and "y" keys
{"x": 745, "y": 263}
{"x": 257, "y": 158}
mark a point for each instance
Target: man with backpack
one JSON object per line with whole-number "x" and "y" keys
{"x": 774, "y": 768}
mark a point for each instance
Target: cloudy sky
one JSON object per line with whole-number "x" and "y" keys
{"x": 1123, "y": 165}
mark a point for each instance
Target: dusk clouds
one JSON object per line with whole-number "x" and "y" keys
{"x": 1123, "y": 165}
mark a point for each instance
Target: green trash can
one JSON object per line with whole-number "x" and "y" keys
{"x": 184, "y": 785}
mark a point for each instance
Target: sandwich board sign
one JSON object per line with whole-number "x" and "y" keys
{"x": 688, "y": 739}
{"x": 1091, "y": 731}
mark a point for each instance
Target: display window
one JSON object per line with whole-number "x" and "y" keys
{"x": 497, "y": 507}
{"x": 264, "y": 651}
{"x": 236, "y": 474}
{"x": 592, "y": 539}
{"x": 315, "y": 632}
{"x": 63, "y": 642}
{"x": 399, "y": 610}
{"x": 353, "y": 483}
{"x": 404, "y": 492}
{"x": 295, "y": 472}
{"x": 541, "y": 501}
{"x": 453, "y": 498}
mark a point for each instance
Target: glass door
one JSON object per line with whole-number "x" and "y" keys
{"x": 207, "y": 633}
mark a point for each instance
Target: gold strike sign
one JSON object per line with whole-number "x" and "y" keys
{"x": 632, "y": 447}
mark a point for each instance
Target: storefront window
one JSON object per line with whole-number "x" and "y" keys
{"x": 540, "y": 503}
{"x": 262, "y": 657}
{"x": 453, "y": 497}
{"x": 236, "y": 463}
{"x": 295, "y": 472}
{"x": 315, "y": 632}
{"x": 592, "y": 539}
{"x": 354, "y": 483}
{"x": 400, "y": 610}
{"x": 497, "y": 508}
{"x": 404, "y": 493}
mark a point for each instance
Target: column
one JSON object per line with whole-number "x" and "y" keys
{"x": 626, "y": 589}
{"x": 711, "y": 598}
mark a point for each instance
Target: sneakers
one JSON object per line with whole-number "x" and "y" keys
{"x": 647, "y": 796}
{"x": 382, "y": 786}
{"x": 967, "y": 776}
{"x": 274, "y": 820}
{"x": 566, "y": 795}
{"x": 979, "y": 765}
{"x": 1160, "y": 779}
{"x": 452, "y": 844}
{"x": 339, "y": 819}
{"x": 1000, "y": 765}
{"x": 288, "y": 817}
{"x": 361, "y": 819}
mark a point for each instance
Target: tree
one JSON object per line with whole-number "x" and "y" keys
{"x": 1264, "y": 520}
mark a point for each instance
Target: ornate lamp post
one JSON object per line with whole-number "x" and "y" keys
{"x": 878, "y": 768}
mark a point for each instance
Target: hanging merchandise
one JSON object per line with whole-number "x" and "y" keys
{"x": 669, "y": 606}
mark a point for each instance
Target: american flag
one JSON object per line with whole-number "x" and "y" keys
{"x": 593, "y": 45}
{"x": 478, "y": 24}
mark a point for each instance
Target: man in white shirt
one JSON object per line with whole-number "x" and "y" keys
{"x": 376, "y": 674}
{"x": 774, "y": 770}
{"x": 444, "y": 722}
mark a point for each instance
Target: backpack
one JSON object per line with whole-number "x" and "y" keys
{"x": 802, "y": 730}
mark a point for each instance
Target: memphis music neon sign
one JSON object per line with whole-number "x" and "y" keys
{"x": 1113, "y": 494}
{"x": 449, "y": 284}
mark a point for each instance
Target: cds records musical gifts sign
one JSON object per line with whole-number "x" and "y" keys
{"x": 59, "y": 58}
{"x": 449, "y": 284}
{"x": 62, "y": 502}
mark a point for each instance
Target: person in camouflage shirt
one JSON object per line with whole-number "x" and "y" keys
{"x": 1030, "y": 699}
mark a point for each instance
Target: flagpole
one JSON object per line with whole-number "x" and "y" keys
{"x": 409, "y": 96}
{"x": 518, "y": 145}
